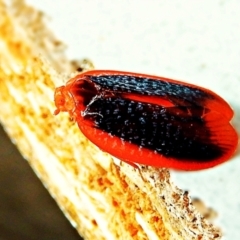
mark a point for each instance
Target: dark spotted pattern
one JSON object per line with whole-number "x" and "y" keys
{"x": 174, "y": 92}
{"x": 174, "y": 132}
{"x": 179, "y": 131}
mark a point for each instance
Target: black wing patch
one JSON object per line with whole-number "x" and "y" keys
{"x": 177, "y": 132}
{"x": 176, "y": 93}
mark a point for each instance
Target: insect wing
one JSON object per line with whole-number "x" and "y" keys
{"x": 167, "y": 91}
{"x": 185, "y": 138}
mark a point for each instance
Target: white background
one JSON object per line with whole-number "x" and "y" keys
{"x": 197, "y": 41}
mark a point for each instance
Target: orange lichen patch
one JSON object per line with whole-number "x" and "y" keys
{"x": 125, "y": 200}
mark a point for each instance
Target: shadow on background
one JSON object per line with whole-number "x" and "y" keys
{"x": 27, "y": 211}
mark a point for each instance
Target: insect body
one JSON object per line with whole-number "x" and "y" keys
{"x": 150, "y": 120}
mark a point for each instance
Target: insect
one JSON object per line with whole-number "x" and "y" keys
{"x": 150, "y": 120}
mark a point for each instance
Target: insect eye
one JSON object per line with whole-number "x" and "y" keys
{"x": 63, "y": 100}
{"x": 59, "y": 97}
{"x": 60, "y": 101}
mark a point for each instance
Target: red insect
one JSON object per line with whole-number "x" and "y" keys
{"x": 150, "y": 120}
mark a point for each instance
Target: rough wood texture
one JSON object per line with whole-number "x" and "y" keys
{"x": 102, "y": 197}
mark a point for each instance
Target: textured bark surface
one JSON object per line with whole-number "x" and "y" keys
{"x": 102, "y": 197}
